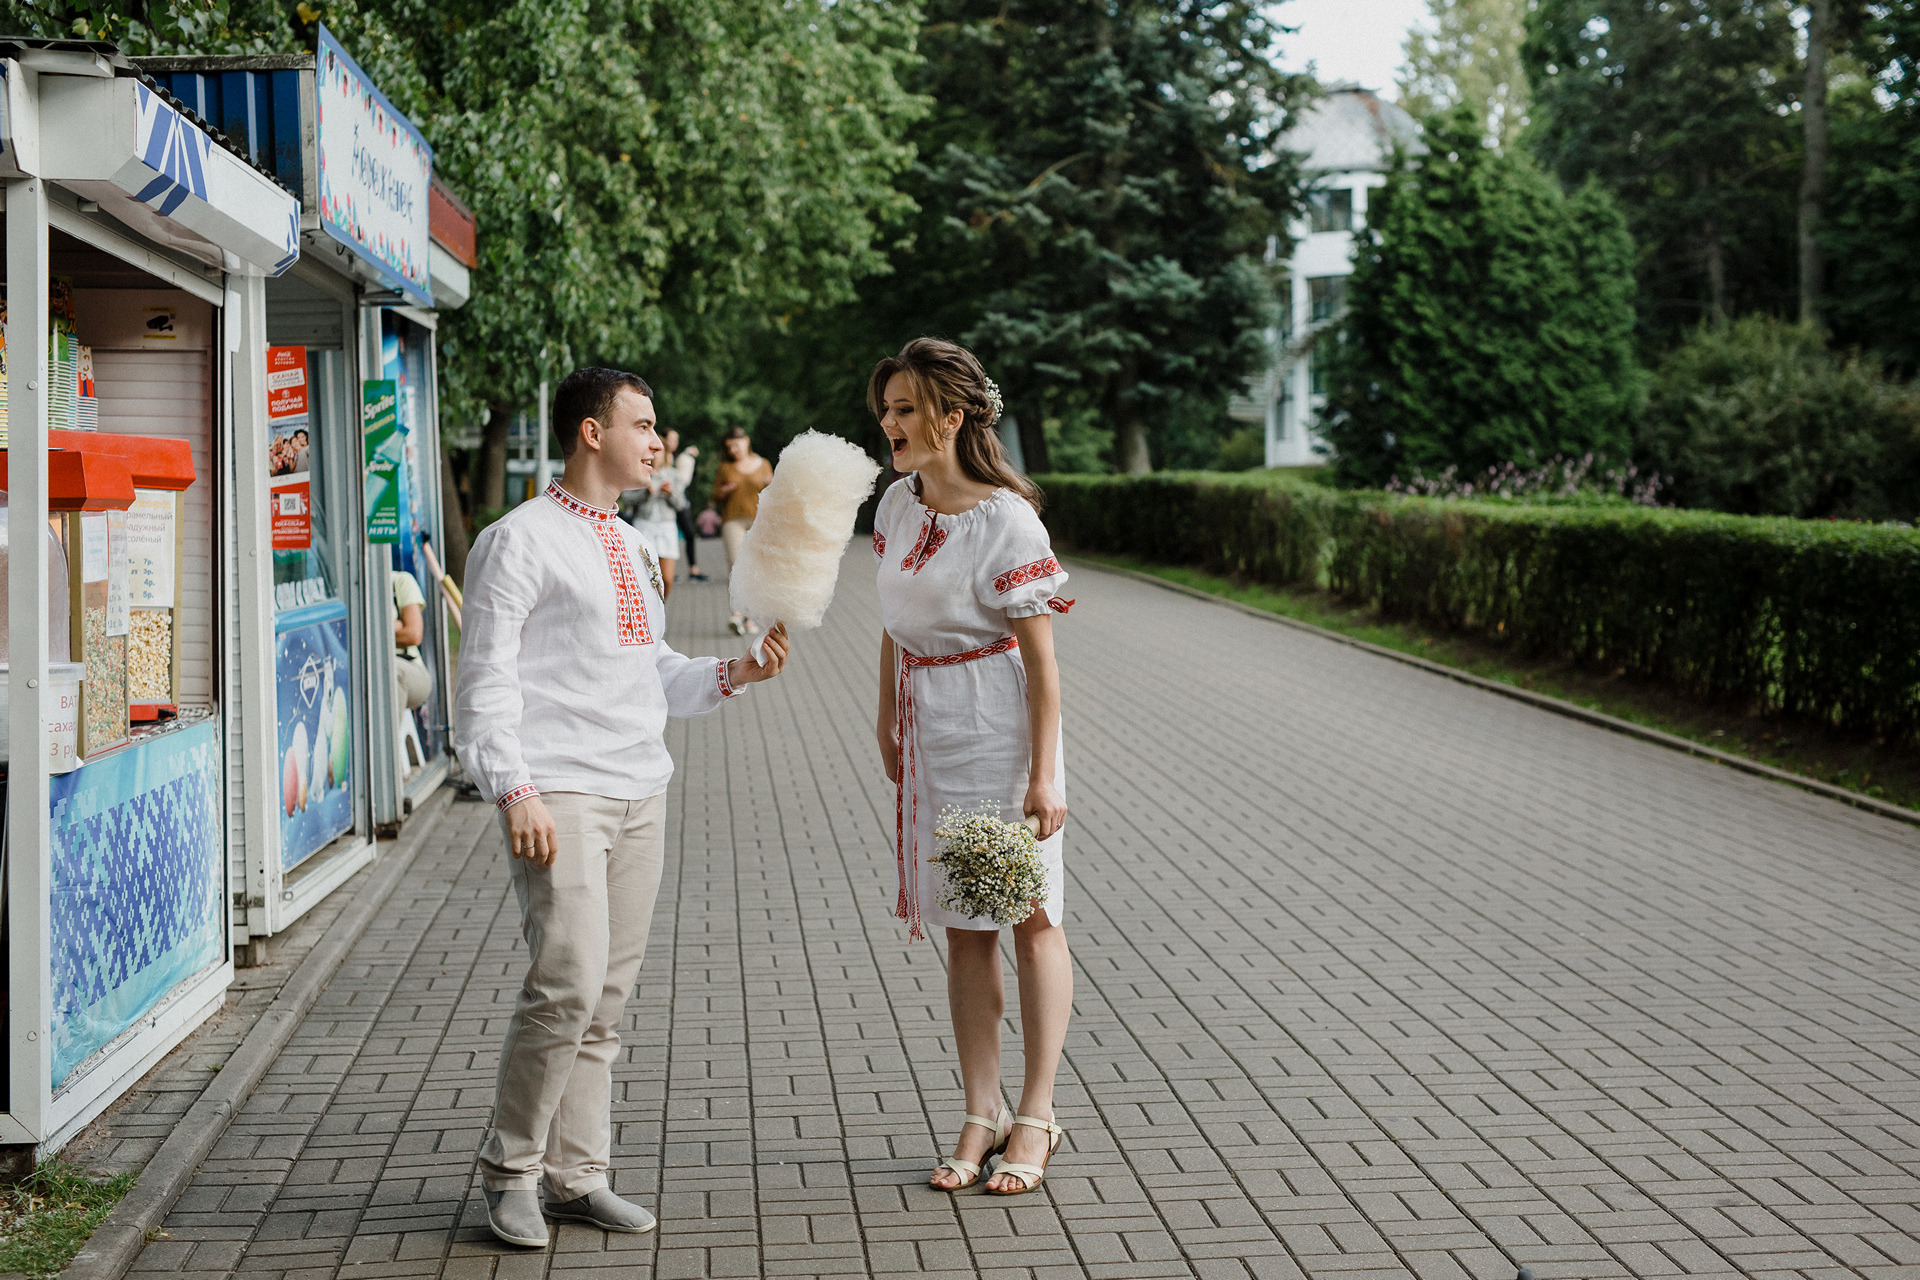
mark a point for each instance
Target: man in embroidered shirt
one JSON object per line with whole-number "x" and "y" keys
{"x": 566, "y": 682}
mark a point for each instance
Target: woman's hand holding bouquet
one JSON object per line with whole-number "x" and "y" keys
{"x": 992, "y": 867}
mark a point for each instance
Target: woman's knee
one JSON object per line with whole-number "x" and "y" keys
{"x": 1037, "y": 933}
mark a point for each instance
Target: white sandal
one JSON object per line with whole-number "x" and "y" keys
{"x": 969, "y": 1172}
{"x": 1030, "y": 1175}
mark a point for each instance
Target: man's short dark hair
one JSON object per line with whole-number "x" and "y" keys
{"x": 589, "y": 393}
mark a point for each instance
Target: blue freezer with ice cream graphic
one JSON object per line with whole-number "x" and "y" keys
{"x": 312, "y": 665}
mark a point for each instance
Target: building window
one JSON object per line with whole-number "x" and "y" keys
{"x": 1326, "y": 297}
{"x": 1330, "y": 210}
{"x": 1317, "y": 370}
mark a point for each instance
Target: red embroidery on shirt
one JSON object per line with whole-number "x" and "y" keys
{"x": 585, "y": 510}
{"x": 630, "y": 606}
{"x": 1027, "y": 573}
{"x": 629, "y": 602}
{"x": 726, "y": 686}
{"x": 879, "y": 543}
{"x": 932, "y": 538}
{"x": 516, "y": 795}
{"x": 1058, "y": 605}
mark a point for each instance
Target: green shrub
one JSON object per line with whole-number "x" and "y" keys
{"x": 1244, "y": 450}
{"x": 1759, "y": 417}
{"x": 1814, "y": 619}
{"x": 1490, "y": 318}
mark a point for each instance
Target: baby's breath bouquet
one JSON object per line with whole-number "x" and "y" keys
{"x": 993, "y": 867}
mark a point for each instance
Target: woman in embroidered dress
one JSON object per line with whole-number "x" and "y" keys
{"x": 970, "y": 715}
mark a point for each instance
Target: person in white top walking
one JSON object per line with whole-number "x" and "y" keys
{"x": 566, "y": 682}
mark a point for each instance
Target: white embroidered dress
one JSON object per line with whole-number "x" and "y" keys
{"x": 566, "y": 677}
{"x": 948, "y": 585}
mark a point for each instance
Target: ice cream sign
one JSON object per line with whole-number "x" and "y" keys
{"x": 375, "y": 169}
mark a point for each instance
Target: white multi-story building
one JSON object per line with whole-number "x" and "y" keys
{"x": 1347, "y": 139}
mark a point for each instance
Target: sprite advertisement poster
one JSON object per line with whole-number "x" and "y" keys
{"x": 386, "y": 457}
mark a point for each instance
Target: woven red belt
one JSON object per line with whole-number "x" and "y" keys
{"x": 906, "y": 845}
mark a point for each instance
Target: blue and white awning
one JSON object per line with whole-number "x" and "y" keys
{"x": 116, "y": 141}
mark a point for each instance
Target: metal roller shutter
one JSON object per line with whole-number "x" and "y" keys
{"x": 170, "y": 393}
{"x": 299, "y": 315}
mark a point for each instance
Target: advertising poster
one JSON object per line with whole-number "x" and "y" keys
{"x": 289, "y": 434}
{"x": 292, "y": 515}
{"x": 375, "y": 169}
{"x": 386, "y": 457}
{"x": 311, "y": 668}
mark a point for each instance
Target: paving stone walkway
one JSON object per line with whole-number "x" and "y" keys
{"x": 1379, "y": 975}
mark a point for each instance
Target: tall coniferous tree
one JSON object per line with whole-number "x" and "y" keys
{"x": 1489, "y": 318}
{"x": 1872, "y": 210}
{"x": 1105, "y": 174}
{"x": 1683, "y": 109}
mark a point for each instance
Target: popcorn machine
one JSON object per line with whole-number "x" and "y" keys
{"x": 118, "y": 498}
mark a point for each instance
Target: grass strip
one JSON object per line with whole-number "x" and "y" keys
{"x": 45, "y": 1220}
{"x": 1869, "y": 768}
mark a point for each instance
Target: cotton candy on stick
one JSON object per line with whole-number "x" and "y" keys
{"x": 791, "y": 555}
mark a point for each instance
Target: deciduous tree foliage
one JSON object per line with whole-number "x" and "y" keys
{"x": 1683, "y": 109}
{"x": 1471, "y": 55}
{"x": 1490, "y": 318}
{"x": 692, "y": 171}
{"x": 1759, "y": 417}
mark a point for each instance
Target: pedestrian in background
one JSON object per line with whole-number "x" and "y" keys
{"x": 656, "y": 510}
{"x": 685, "y": 461}
{"x": 737, "y": 487}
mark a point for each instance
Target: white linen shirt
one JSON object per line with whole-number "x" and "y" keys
{"x": 566, "y": 678}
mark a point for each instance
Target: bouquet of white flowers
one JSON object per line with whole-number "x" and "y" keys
{"x": 993, "y": 867}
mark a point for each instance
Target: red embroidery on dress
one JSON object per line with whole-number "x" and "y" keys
{"x": 932, "y": 538}
{"x": 879, "y": 543}
{"x": 629, "y": 603}
{"x": 906, "y": 802}
{"x": 1026, "y": 573}
{"x": 1058, "y": 605}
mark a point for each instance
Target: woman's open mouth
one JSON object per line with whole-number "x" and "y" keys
{"x": 898, "y": 442}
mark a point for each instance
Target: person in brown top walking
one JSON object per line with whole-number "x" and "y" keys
{"x": 736, "y": 487}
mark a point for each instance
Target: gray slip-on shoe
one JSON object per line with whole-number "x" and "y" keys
{"x": 515, "y": 1217}
{"x": 605, "y": 1210}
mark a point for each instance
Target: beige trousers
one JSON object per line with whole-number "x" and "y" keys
{"x": 585, "y": 919}
{"x": 732, "y": 534}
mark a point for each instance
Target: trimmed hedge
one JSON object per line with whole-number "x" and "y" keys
{"x": 1809, "y": 618}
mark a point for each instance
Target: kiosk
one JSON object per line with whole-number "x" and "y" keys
{"x": 138, "y": 246}
{"x": 352, "y": 467}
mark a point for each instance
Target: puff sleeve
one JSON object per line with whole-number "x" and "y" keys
{"x": 1017, "y": 572}
{"x": 885, "y": 515}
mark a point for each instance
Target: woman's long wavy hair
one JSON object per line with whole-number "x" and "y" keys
{"x": 946, "y": 376}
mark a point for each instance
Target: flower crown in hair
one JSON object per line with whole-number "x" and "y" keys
{"x": 994, "y": 401}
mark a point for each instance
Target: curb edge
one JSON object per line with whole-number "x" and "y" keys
{"x": 110, "y": 1251}
{"x": 1543, "y": 701}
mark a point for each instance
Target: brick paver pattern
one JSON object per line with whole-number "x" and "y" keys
{"x": 1377, "y": 975}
